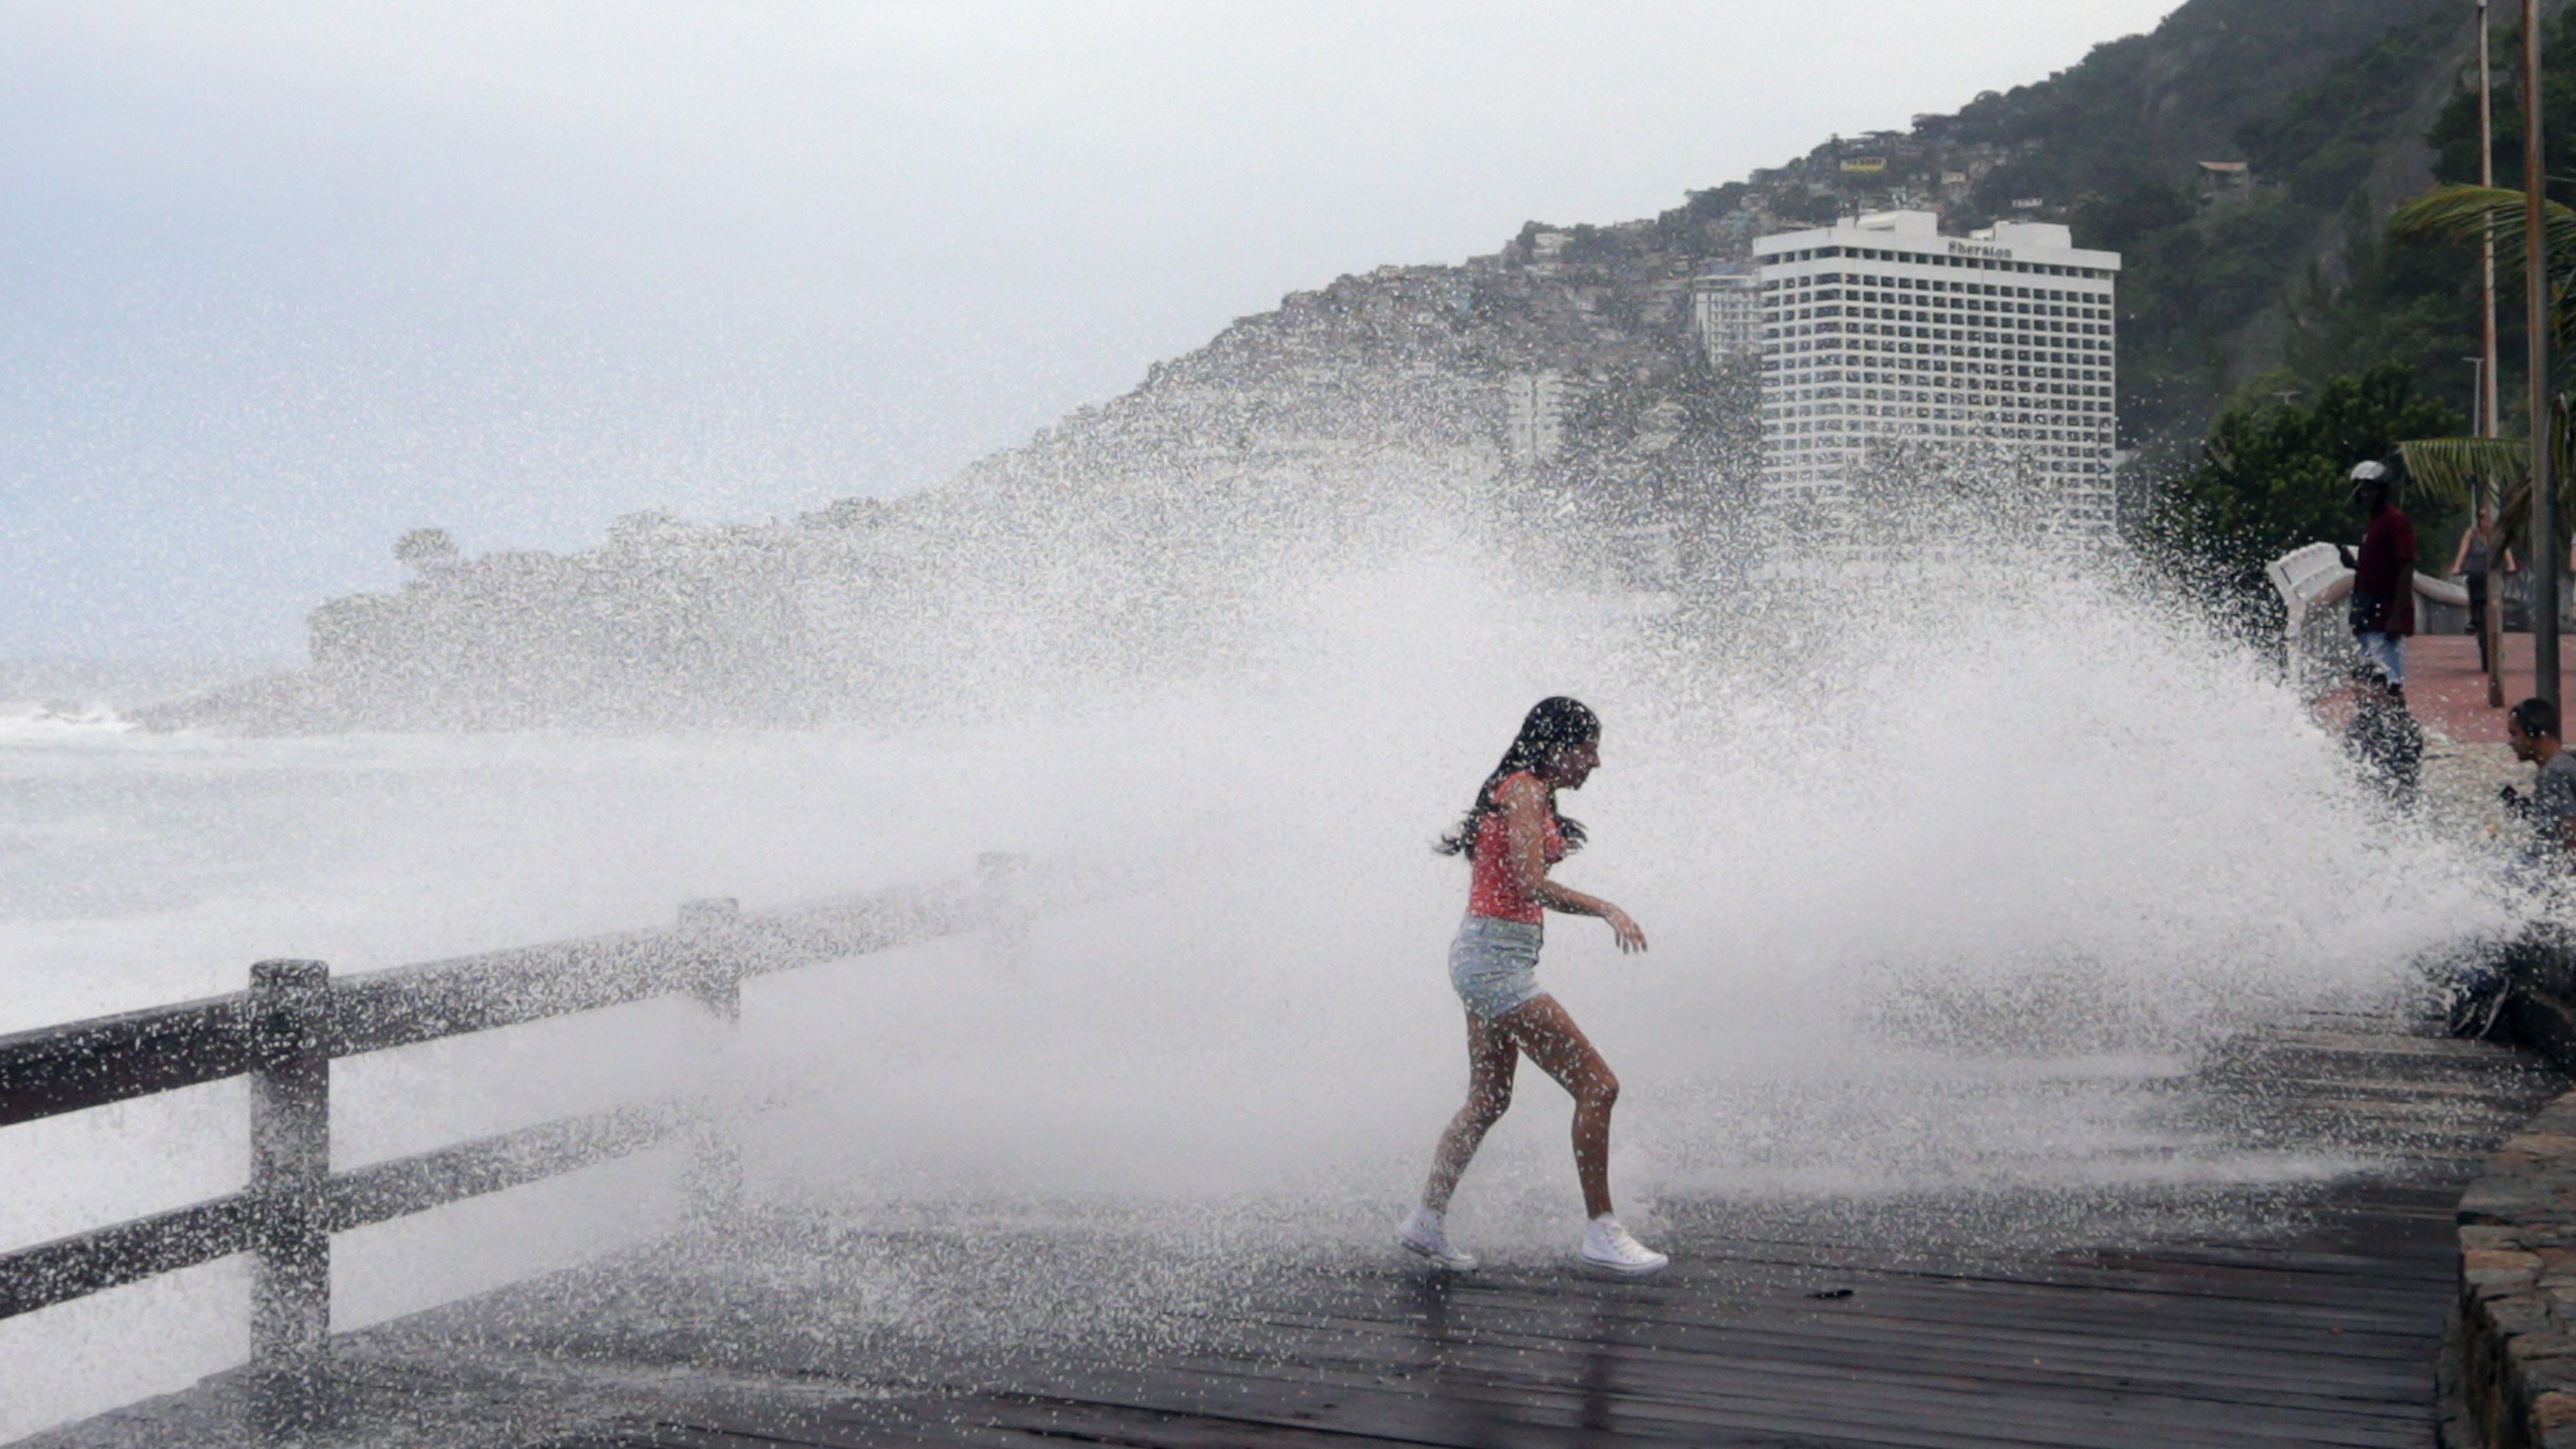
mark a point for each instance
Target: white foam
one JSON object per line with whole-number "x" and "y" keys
{"x": 1944, "y": 891}
{"x": 40, "y": 722}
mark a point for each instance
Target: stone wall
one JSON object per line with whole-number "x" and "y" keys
{"x": 2510, "y": 1375}
{"x": 2517, "y": 1326}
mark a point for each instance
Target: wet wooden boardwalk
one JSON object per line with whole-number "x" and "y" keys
{"x": 2306, "y": 1314}
{"x": 2329, "y": 1338}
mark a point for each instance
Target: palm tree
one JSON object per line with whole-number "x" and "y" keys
{"x": 2457, "y": 470}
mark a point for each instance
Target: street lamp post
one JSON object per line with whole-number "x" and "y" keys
{"x": 2547, "y": 557}
{"x": 2490, "y": 622}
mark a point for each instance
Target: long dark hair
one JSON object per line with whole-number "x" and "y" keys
{"x": 1554, "y": 723}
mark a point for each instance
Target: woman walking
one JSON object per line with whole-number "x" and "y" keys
{"x": 1511, "y": 835}
{"x": 2469, "y": 565}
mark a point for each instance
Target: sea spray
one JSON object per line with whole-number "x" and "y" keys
{"x": 1953, "y": 875}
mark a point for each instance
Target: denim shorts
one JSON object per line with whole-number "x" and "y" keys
{"x": 1494, "y": 964}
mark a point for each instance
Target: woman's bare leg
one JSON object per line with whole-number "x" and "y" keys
{"x": 1491, "y": 1060}
{"x": 1546, "y": 1031}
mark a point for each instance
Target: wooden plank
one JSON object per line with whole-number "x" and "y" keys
{"x": 1610, "y": 1400}
{"x": 1023, "y": 1422}
{"x": 2319, "y": 1373}
{"x": 105, "y": 1059}
{"x": 68, "y": 1268}
{"x": 2026, "y": 1301}
{"x": 2044, "y": 1369}
{"x": 384, "y": 1190}
{"x": 1757, "y": 1367}
{"x": 1057, "y": 1420}
{"x": 1001, "y": 1420}
{"x": 2286, "y": 1290}
{"x": 402, "y": 1005}
{"x": 2243, "y": 1322}
{"x": 728, "y": 1432}
{"x": 1874, "y": 1393}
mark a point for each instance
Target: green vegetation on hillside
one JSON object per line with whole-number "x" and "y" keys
{"x": 2272, "y": 474}
{"x": 2142, "y": 110}
{"x": 2404, "y": 307}
{"x": 2324, "y": 100}
{"x": 2414, "y": 299}
{"x": 2454, "y": 136}
{"x": 2198, "y": 272}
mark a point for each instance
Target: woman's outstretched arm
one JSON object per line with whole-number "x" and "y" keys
{"x": 1524, "y": 802}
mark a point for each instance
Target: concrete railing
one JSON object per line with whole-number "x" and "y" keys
{"x": 2313, "y": 583}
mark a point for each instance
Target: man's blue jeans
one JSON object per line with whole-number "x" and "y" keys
{"x": 2388, "y": 651}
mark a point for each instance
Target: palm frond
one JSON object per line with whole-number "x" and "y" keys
{"x": 2458, "y": 470}
{"x": 2466, "y": 213}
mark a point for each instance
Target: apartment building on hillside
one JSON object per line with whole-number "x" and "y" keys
{"x": 1886, "y": 343}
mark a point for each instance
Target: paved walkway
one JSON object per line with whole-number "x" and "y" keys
{"x": 2447, "y": 692}
{"x": 2137, "y": 1315}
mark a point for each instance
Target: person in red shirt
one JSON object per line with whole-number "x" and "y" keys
{"x": 2383, "y": 577}
{"x": 1512, "y": 837}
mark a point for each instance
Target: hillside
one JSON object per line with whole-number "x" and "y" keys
{"x": 1561, "y": 375}
{"x": 2325, "y": 109}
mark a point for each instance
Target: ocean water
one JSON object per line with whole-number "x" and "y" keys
{"x": 1950, "y": 889}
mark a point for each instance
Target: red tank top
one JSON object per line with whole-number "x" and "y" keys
{"x": 1492, "y": 890}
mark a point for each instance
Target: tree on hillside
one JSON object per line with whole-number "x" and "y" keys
{"x": 2119, "y": 223}
{"x": 2457, "y": 467}
{"x": 2454, "y": 136}
{"x": 2272, "y": 474}
{"x": 2404, "y": 297}
{"x": 2322, "y": 145}
{"x": 424, "y": 548}
{"x": 2411, "y": 293}
{"x": 2460, "y": 215}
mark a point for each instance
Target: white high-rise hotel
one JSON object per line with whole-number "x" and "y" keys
{"x": 1881, "y": 337}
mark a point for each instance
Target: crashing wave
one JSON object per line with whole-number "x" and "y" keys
{"x": 55, "y": 719}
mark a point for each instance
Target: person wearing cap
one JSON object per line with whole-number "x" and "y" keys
{"x": 2383, "y": 577}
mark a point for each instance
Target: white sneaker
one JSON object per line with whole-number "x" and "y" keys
{"x": 1608, "y": 1248}
{"x": 1427, "y": 1233}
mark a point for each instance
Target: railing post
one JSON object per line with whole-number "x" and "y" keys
{"x": 715, "y": 1164}
{"x": 290, "y": 1167}
{"x": 1001, "y": 879}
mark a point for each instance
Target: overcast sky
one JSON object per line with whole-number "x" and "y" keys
{"x": 280, "y": 281}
